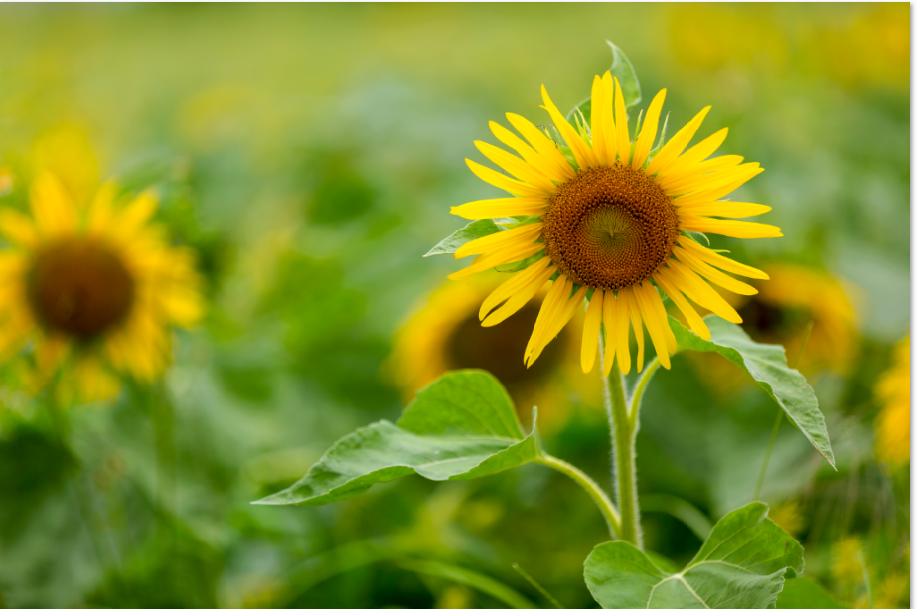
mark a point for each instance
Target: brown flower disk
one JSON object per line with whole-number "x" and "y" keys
{"x": 610, "y": 227}
{"x": 80, "y": 287}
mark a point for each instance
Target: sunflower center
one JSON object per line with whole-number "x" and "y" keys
{"x": 610, "y": 227}
{"x": 80, "y": 287}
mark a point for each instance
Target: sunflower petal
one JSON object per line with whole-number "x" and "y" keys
{"x": 621, "y": 133}
{"x": 581, "y": 152}
{"x": 648, "y": 132}
{"x": 500, "y": 239}
{"x": 591, "y": 329}
{"x": 514, "y": 165}
{"x": 531, "y": 156}
{"x": 730, "y": 228}
{"x": 499, "y": 180}
{"x": 695, "y": 322}
{"x": 500, "y": 208}
{"x": 542, "y": 144}
{"x": 714, "y": 259}
{"x": 512, "y": 286}
{"x": 677, "y": 144}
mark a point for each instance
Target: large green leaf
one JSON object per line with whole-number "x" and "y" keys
{"x": 472, "y": 231}
{"x": 766, "y": 364}
{"x": 805, "y": 594}
{"x": 462, "y": 426}
{"x": 742, "y": 565}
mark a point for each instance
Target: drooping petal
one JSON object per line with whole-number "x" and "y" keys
{"x": 695, "y": 322}
{"x": 518, "y": 282}
{"x": 713, "y": 275}
{"x": 591, "y": 329}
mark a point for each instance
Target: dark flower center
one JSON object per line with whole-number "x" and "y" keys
{"x": 80, "y": 287}
{"x": 610, "y": 227}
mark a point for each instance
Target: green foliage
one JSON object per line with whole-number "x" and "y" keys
{"x": 805, "y": 594}
{"x": 767, "y": 365}
{"x": 462, "y": 426}
{"x": 742, "y": 564}
{"x": 474, "y": 230}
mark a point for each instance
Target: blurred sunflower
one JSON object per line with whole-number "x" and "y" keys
{"x": 893, "y": 425}
{"x": 444, "y": 334}
{"x": 96, "y": 289}
{"x": 610, "y": 225}
{"x": 780, "y": 313}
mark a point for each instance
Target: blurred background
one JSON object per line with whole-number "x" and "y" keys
{"x": 310, "y": 154}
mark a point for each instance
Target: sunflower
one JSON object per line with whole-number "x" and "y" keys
{"x": 893, "y": 424}
{"x": 93, "y": 290}
{"x": 611, "y": 224}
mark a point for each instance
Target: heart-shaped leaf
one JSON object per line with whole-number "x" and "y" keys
{"x": 462, "y": 426}
{"x": 742, "y": 565}
{"x": 766, "y": 364}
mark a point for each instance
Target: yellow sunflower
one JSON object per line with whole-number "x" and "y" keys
{"x": 893, "y": 425}
{"x": 612, "y": 222}
{"x": 92, "y": 290}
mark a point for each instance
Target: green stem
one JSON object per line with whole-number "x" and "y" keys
{"x": 589, "y": 485}
{"x": 625, "y": 456}
{"x": 636, "y": 400}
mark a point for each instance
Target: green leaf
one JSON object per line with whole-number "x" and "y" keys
{"x": 805, "y": 594}
{"x": 623, "y": 69}
{"x": 474, "y": 230}
{"x": 462, "y": 426}
{"x": 742, "y": 565}
{"x": 467, "y": 402}
{"x": 766, "y": 364}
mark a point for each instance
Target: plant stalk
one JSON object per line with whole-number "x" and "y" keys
{"x": 589, "y": 485}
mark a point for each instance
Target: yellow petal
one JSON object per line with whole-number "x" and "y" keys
{"x": 730, "y": 228}
{"x": 653, "y": 323}
{"x": 501, "y": 181}
{"x": 514, "y": 165}
{"x": 519, "y": 299}
{"x": 719, "y": 163}
{"x": 581, "y": 152}
{"x": 509, "y": 288}
{"x": 695, "y": 322}
{"x": 622, "y": 135}
{"x": 726, "y": 209}
{"x": 713, "y": 275}
{"x": 597, "y": 121}
{"x": 636, "y": 320}
{"x": 677, "y": 144}
{"x": 101, "y": 212}
{"x": 561, "y": 316}
{"x": 552, "y": 302}
{"x": 591, "y": 328}
{"x": 504, "y": 256}
{"x": 698, "y": 290}
{"x": 542, "y": 144}
{"x": 52, "y": 206}
{"x": 608, "y": 118}
{"x": 531, "y": 156}
{"x": 18, "y": 228}
{"x": 499, "y": 240}
{"x": 648, "y": 131}
{"x": 691, "y": 159}
{"x": 709, "y": 181}
{"x": 500, "y": 208}
{"x": 720, "y": 261}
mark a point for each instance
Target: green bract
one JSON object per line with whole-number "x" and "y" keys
{"x": 742, "y": 565}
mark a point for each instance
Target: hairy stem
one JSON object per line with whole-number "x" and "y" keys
{"x": 625, "y": 456}
{"x": 636, "y": 400}
{"x": 589, "y": 485}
